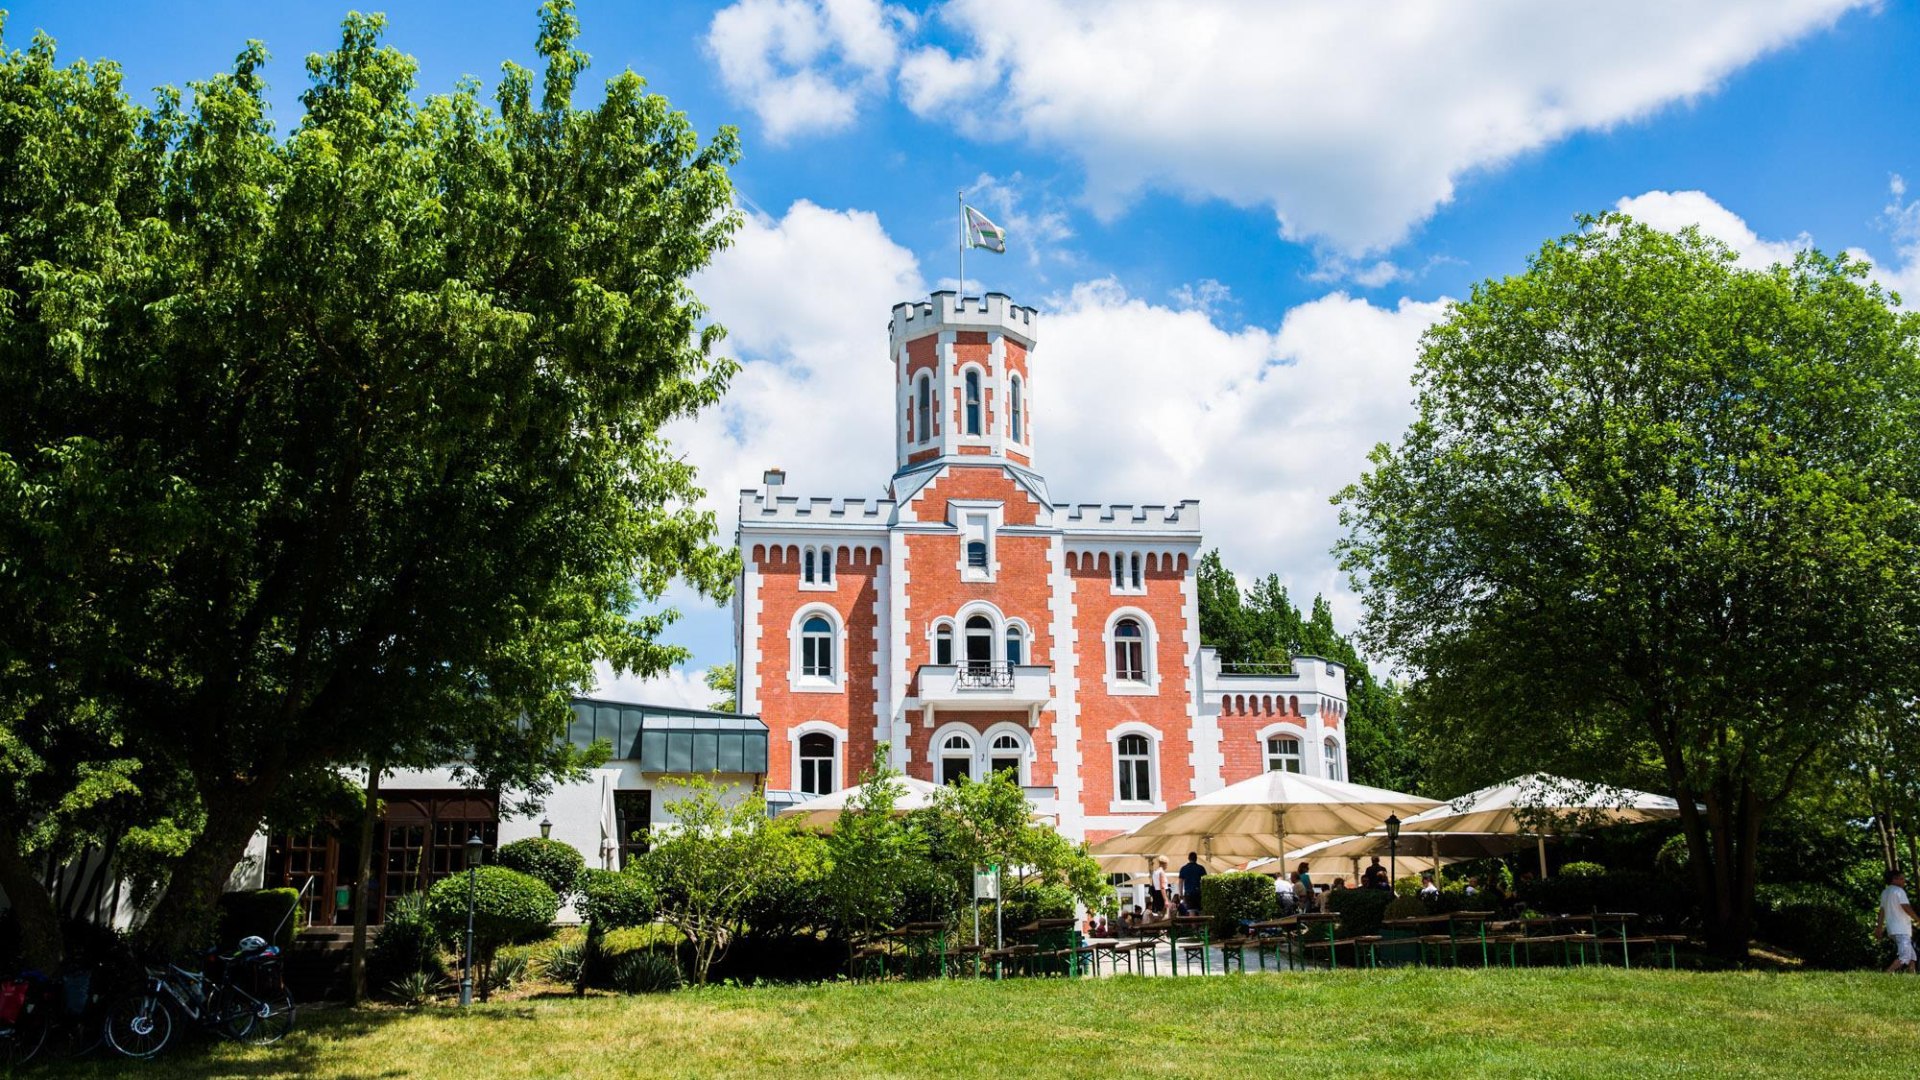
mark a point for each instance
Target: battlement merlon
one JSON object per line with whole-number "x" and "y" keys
{"x": 947, "y": 310}
{"x": 1127, "y": 519}
{"x": 758, "y": 508}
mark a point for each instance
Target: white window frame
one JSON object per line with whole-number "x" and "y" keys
{"x": 815, "y": 684}
{"x": 984, "y": 767}
{"x": 1013, "y": 628}
{"x": 937, "y": 750}
{"x": 976, "y": 519}
{"x": 1127, "y": 576}
{"x": 1282, "y": 731}
{"x": 1149, "y": 642}
{"x": 978, "y": 377}
{"x": 933, "y": 642}
{"x": 1333, "y": 758}
{"x": 1016, "y": 405}
{"x": 1158, "y": 804}
{"x": 831, "y": 731}
{"x": 923, "y": 408}
{"x": 820, "y": 559}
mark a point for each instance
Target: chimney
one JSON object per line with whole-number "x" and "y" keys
{"x": 774, "y": 479}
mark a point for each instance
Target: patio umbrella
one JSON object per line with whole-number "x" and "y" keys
{"x": 1538, "y": 805}
{"x": 1264, "y": 816}
{"x": 823, "y": 811}
{"x": 609, "y": 829}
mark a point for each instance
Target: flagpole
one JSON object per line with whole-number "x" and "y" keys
{"x": 960, "y": 204}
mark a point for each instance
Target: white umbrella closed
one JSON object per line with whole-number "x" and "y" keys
{"x": 609, "y": 829}
{"x": 823, "y": 811}
{"x": 1264, "y": 816}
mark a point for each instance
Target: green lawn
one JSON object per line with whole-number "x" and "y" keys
{"x": 1401, "y": 1023}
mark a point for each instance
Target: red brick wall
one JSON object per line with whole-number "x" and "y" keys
{"x": 1241, "y": 718}
{"x": 921, "y": 356}
{"x": 1102, "y": 712}
{"x": 855, "y": 574}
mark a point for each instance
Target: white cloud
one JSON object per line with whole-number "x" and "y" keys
{"x": 1133, "y": 401}
{"x": 1036, "y": 223}
{"x": 1671, "y": 211}
{"x": 679, "y": 688}
{"x": 802, "y": 66}
{"x": 1352, "y": 121}
{"x": 1675, "y": 210}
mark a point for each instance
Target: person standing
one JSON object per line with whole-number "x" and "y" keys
{"x": 1190, "y": 876}
{"x": 1896, "y": 920}
{"x": 1307, "y": 900}
{"x": 1157, "y": 890}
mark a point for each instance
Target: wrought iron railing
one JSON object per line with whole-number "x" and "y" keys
{"x": 981, "y": 675}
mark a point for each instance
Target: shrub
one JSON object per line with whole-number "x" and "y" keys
{"x": 1023, "y": 902}
{"x": 1360, "y": 910}
{"x": 415, "y": 989}
{"x": 556, "y": 865}
{"x": 1816, "y": 924}
{"x": 610, "y": 899}
{"x": 1583, "y": 870}
{"x": 1407, "y": 886}
{"x": 509, "y": 907}
{"x": 406, "y": 944}
{"x": 267, "y": 913}
{"x": 565, "y": 962}
{"x": 1229, "y": 899}
{"x": 645, "y": 972}
{"x": 506, "y": 971}
{"x": 1404, "y": 907}
{"x": 1661, "y": 900}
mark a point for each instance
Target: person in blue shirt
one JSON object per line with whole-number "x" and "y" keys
{"x": 1190, "y": 876}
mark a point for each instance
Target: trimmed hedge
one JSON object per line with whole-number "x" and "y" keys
{"x": 1230, "y": 898}
{"x": 509, "y": 908}
{"x": 1817, "y": 925}
{"x": 612, "y": 899}
{"x": 556, "y": 865}
{"x": 258, "y": 914}
{"x": 1360, "y": 909}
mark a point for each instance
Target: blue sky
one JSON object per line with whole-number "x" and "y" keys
{"x": 1238, "y": 217}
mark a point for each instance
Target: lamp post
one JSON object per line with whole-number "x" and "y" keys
{"x": 1393, "y": 849}
{"x": 475, "y": 847}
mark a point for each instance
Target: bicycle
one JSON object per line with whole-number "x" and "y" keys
{"x": 239, "y": 996}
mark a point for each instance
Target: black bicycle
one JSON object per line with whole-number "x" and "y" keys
{"x": 240, "y": 996}
{"x": 43, "y": 1017}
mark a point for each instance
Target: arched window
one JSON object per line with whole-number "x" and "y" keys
{"x": 816, "y": 647}
{"x": 1013, "y": 410}
{"x": 1138, "y": 559}
{"x": 976, "y": 554}
{"x": 1129, "y": 651}
{"x": 973, "y": 403}
{"x": 979, "y": 642}
{"x": 807, "y": 561}
{"x": 956, "y": 759}
{"x": 1332, "y": 751}
{"x": 1006, "y": 754}
{"x": 943, "y": 644}
{"x": 1016, "y": 646}
{"x": 1133, "y": 755}
{"x": 816, "y": 763}
{"x": 1283, "y": 754}
{"x": 826, "y": 566}
{"x": 817, "y": 566}
{"x": 923, "y": 412}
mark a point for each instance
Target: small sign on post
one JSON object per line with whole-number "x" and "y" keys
{"x": 986, "y": 886}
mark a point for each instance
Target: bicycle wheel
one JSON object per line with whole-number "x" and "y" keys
{"x": 19, "y": 1043}
{"x": 272, "y": 1019}
{"x": 139, "y": 1025}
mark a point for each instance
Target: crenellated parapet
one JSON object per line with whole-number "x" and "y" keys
{"x": 994, "y": 313}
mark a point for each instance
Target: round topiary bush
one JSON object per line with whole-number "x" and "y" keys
{"x": 1232, "y": 898}
{"x": 613, "y": 899}
{"x": 509, "y": 907}
{"x": 551, "y": 862}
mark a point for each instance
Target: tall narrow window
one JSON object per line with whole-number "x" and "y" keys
{"x": 1016, "y": 646}
{"x": 979, "y": 642}
{"x": 956, "y": 759}
{"x": 976, "y": 554}
{"x": 943, "y": 644}
{"x": 1129, "y": 651}
{"x": 1332, "y": 751}
{"x": 1119, "y": 570}
{"x": 1005, "y": 755}
{"x": 807, "y": 574}
{"x": 973, "y": 403}
{"x": 816, "y": 648}
{"x": 826, "y": 566}
{"x": 923, "y": 415}
{"x": 1135, "y": 760}
{"x": 1283, "y": 754}
{"x": 816, "y": 763}
{"x": 1013, "y": 411}
{"x": 1138, "y": 561}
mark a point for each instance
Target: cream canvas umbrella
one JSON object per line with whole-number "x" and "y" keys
{"x": 1538, "y": 805}
{"x": 1264, "y": 816}
{"x": 609, "y": 829}
{"x": 823, "y": 811}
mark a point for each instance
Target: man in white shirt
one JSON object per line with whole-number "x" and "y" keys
{"x": 1896, "y": 920}
{"x": 1283, "y": 891}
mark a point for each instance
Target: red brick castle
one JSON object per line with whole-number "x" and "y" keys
{"x": 972, "y": 624}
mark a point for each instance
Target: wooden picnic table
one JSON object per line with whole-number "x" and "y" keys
{"x": 1452, "y": 920}
{"x": 1037, "y": 927}
{"x": 908, "y": 934}
{"x": 1201, "y": 923}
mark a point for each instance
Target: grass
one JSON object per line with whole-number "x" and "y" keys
{"x": 1403, "y": 1022}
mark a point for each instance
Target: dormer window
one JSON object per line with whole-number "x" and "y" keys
{"x": 973, "y": 408}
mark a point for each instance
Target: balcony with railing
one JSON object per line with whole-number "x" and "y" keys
{"x": 982, "y": 685}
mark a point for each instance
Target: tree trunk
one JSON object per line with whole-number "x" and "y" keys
{"x": 33, "y": 909}
{"x": 357, "y": 966}
{"x": 182, "y": 922}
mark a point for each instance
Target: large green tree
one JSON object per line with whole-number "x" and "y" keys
{"x": 341, "y": 447}
{"x": 1656, "y": 522}
{"x": 1260, "y": 629}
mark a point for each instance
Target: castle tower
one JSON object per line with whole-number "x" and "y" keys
{"x": 961, "y": 383}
